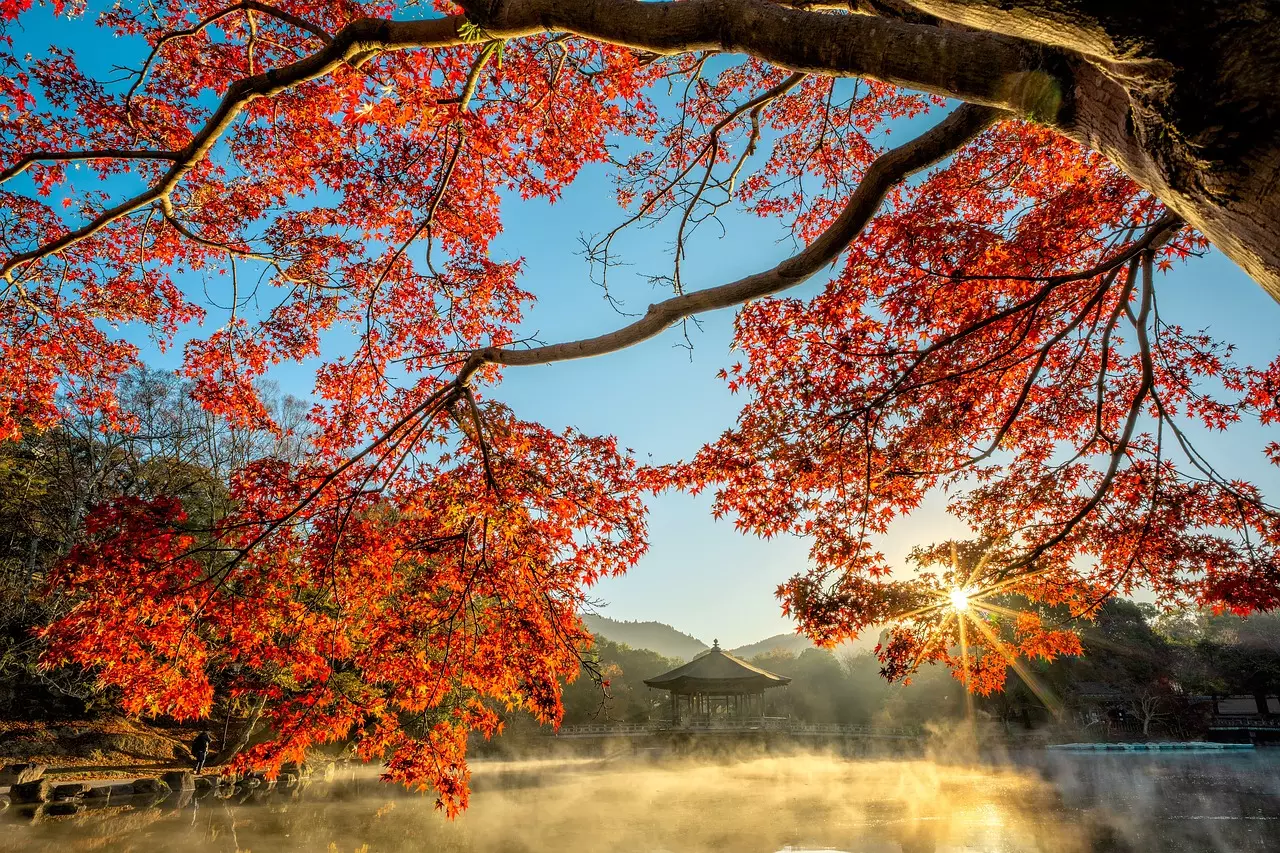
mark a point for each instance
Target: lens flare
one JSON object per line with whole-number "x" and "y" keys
{"x": 960, "y": 599}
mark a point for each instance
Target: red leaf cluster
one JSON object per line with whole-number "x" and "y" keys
{"x": 993, "y": 331}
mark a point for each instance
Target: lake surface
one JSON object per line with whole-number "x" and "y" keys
{"x": 1056, "y": 803}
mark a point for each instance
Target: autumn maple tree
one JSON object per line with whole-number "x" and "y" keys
{"x": 991, "y": 325}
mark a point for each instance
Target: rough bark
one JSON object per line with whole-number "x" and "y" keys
{"x": 1180, "y": 95}
{"x": 989, "y": 69}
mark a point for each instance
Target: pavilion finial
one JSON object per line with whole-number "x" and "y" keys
{"x": 715, "y": 644}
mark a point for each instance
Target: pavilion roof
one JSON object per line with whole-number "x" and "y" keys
{"x": 715, "y": 671}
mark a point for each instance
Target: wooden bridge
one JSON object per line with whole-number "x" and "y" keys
{"x": 776, "y": 725}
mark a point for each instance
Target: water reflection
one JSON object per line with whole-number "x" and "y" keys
{"x": 1055, "y": 804}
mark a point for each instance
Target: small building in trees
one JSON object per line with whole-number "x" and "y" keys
{"x": 716, "y": 687}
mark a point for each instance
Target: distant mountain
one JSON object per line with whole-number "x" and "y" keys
{"x": 654, "y": 636}
{"x": 668, "y": 642}
{"x": 790, "y": 643}
{"x": 795, "y": 644}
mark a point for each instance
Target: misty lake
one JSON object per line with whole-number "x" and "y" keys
{"x": 1053, "y": 802}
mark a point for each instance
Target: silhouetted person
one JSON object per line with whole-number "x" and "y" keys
{"x": 200, "y": 749}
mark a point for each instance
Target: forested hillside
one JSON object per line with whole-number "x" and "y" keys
{"x": 1158, "y": 670}
{"x": 673, "y": 643}
{"x": 1148, "y": 672}
{"x": 654, "y": 636}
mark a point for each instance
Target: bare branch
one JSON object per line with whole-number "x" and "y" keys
{"x": 887, "y": 170}
{"x": 1120, "y": 448}
{"x": 753, "y": 105}
{"x": 478, "y": 422}
{"x": 246, "y": 6}
{"x": 1159, "y": 232}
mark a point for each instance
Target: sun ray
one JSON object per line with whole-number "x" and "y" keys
{"x": 965, "y": 603}
{"x": 1051, "y": 703}
{"x": 961, "y": 619}
{"x": 980, "y": 604}
{"x": 920, "y": 611}
{"x": 977, "y": 569}
{"x": 929, "y": 640}
{"x": 1010, "y": 581}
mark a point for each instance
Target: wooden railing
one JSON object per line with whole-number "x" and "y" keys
{"x": 759, "y": 724}
{"x": 752, "y": 724}
{"x": 851, "y": 730}
{"x": 589, "y": 729}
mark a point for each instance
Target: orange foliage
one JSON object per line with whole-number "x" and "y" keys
{"x": 994, "y": 331}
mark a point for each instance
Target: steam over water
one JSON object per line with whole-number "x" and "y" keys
{"x": 1051, "y": 803}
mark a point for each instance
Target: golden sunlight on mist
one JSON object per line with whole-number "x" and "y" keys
{"x": 766, "y": 805}
{"x": 732, "y": 801}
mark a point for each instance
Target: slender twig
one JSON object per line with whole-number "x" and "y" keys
{"x": 246, "y": 6}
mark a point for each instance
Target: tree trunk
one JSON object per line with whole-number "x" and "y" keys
{"x": 1260, "y": 701}
{"x": 228, "y": 752}
{"x": 1179, "y": 94}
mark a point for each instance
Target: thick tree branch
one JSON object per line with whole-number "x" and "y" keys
{"x": 1094, "y": 72}
{"x": 887, "y": 170}
{"x": 34, "y": 157}
{"x": 979, "y": 68}
{"x": 1077, "y": 25}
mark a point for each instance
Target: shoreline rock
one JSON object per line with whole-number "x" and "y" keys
{"x": 71, "y": 790}
{"x": 179, "y": 780}
{"x": 151, "y": 786}
{"x": 36, "y": 791}
{"x": 18, "y": 774}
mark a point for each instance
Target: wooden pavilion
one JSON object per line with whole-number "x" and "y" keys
{"x": 716, "y": 686}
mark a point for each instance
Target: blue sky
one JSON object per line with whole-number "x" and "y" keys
{"x": 660, "y": 399}
{"x": 664, "y": 400}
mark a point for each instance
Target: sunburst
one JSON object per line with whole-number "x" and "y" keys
{"x": 967, "y": 602}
